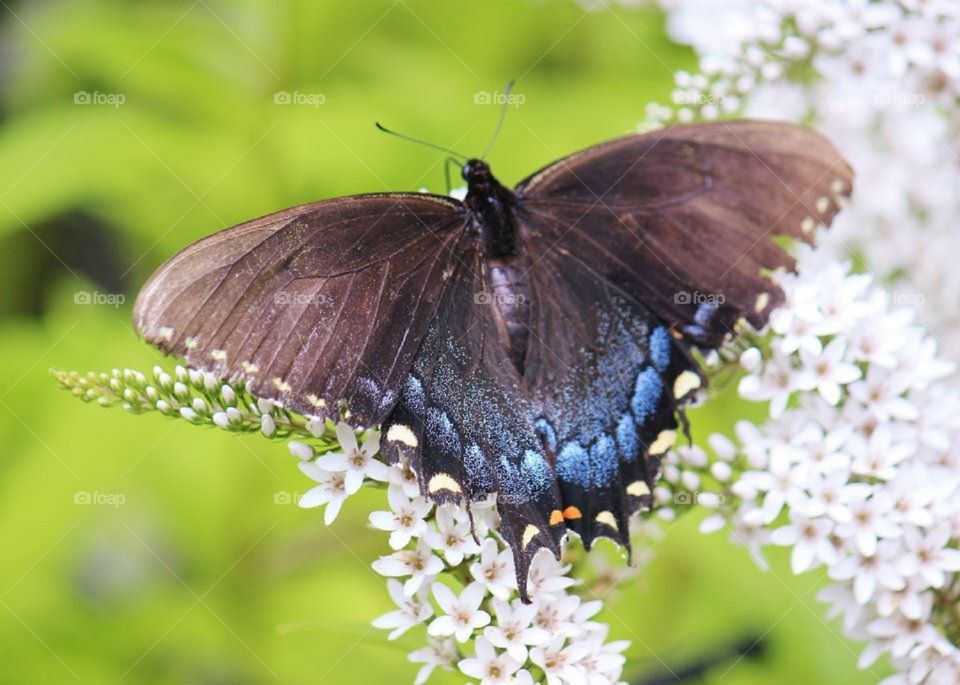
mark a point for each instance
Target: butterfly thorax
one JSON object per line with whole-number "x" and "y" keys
{"x": 493, "y": 208}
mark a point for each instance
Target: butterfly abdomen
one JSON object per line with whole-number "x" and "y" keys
{"x": 510, "y": 294}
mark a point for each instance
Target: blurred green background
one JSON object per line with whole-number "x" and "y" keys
{"x": 129, "y": 129}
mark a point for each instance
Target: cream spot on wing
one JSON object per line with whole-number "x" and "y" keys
{"x": 763, "y": 299}
{"x": 685, "y": 382}
{"x": 808, "y": 224}
{"x": 638, "y": 488}
{"x": 165, "y": 333}
{"x": 837, "y": 186}
{"x": 250, "y": 367}
{"x": 281, "y": 385}
{"x": 663, "y": 442}
{"x": 191, "y": 342}
{"x": 529, "y": 533}
{"x": 315, "y": 401}
{"x": 443, "y": 481}
{"x": 401, "y": 433}
{"x": 219, "y": 355}
{"x": 823, "y": 204}
{"x": 607, "y": 519}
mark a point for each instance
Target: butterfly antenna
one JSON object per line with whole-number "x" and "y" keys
{"x": 420, "y": 142}
{"x": 503, "y": 115}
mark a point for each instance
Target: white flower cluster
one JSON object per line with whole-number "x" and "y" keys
{"x": 460, "y": 583}
{"x": 881, "y": 78}
{"x": 859, "y": 472}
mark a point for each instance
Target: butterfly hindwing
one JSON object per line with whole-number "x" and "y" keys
{"x": 609, "y": 379}
{"x": 314, "y": 305}
{"x": 465, "y": 426}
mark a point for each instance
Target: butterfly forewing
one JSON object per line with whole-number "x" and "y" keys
{"x": 684, "y": 218}
{"x": 314, "y": 305}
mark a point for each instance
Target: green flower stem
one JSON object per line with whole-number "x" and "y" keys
{"x": 200, "y": 399}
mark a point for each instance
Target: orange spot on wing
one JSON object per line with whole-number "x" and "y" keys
{"x": 556, "y": 517}
{"x": 571, "y": 513}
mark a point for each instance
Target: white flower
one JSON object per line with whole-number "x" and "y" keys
{"x": 357, "y": 462}
{"x": 776, "y": 383}
{"x": 782, "y": 482}
{"x": 412, "y": 610}
{"x": 402, "y": 475}
{"x": 603, "y": 662}
{"x": 419, "y": 563}
{"x": 556, "y": 616}
{"x": 810, "y": 539}
{"x": 903, "y": 633}
{"x": 405, "y": 521}
{"x": 452, "y": 535}
{"x": 560, "y": 664}
{"x": 878, "y": 456}
{"x": 330, "y": 491}
{"x": 548, "y": 577}
{"x": 494, "y": 569}
{"x": 869, "y": 518}
{"x": 442, "y": 653}
{"x": 926, "y": 555}
{"x": 827, "y": 371}
{"x": 489, "y": 667}
{"x": 463, "y": 614}
{"x": 869, "y": 572}
{"x": 513, "y": 631}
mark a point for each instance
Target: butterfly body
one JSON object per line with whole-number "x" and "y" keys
{"x": 534, "y": 343}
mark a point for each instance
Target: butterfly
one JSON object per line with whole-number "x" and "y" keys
{"x": 536, "y": 343}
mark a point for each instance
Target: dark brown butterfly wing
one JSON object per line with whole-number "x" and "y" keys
{"x": 609, "y": 380}
{"x": 639, "y": 248}
{"x": 684, "y": 218}
{"x": 314, "y": 305}
{"x": 465, "y": 426}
